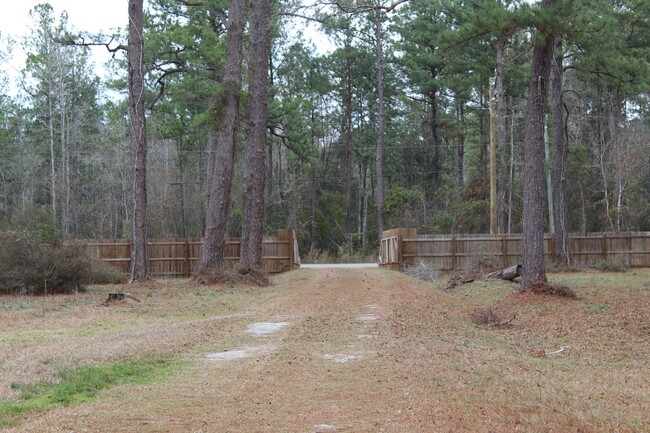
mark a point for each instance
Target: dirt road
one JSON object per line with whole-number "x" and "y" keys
{"x": 344, "y": 350}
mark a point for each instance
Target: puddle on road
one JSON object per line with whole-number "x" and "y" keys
{"x": 362, "y": 336}
{"x": 265, "y": 328}
{"x": 229, "y": 354}
{"x": 343, "y": 357}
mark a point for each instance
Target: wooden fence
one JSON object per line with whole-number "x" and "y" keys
{"x": 403, "y": 247}
{"x": 180, "y": 257}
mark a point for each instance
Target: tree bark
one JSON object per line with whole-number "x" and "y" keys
{"x": 502, "y": 138}
{"x": 227, "y": 105}
{"x": 255, "y": 144}
{"x": 560, "y": 205}
{"x": 534, "y": 271}
{"x": 138, "y": 142}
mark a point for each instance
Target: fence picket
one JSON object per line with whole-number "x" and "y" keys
{"x": 449, "y": 252}
{"x": 180, "y": 257}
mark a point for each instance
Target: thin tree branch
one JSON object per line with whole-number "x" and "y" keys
{"x": 80, "y": 40}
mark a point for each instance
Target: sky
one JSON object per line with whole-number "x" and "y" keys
{"x": 92, "y": 16}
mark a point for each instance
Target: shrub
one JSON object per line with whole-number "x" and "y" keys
{"x": 30, "y": 266}
{"x": 487, "y": 316}
{"x": 102, "y": 273}
{"x": 423, "y": 271}
{"x": 614, "y": 264}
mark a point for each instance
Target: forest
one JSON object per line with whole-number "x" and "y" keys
{"x": 386, "y": 123}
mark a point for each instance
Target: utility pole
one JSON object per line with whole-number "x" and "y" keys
{"x": 493, "y": 164}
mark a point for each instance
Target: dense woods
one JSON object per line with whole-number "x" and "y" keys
{"x": 387, "y": 124}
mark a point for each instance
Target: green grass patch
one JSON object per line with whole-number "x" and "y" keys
{"x": 597, "y": 308}
{"x": 83, "y": 384}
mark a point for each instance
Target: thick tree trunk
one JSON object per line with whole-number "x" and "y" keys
{"x": 560, "y": 205}
{"x": 379, "y": 157}
{"x": 214, "y": 243}
{"x": 502, "y": 138}
{"x": 255, "y": 145}
{"x": 138, "y": 143}
{"x": 534, "y": 271}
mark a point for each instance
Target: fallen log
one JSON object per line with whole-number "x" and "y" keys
{"x": 508, "y": 273}
{"x": 511, "y": 273}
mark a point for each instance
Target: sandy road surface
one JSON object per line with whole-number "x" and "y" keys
{"x": 347, "y": 350}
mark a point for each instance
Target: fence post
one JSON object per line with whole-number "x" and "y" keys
{"x": 411, "y": 250}
{"x": 605, "y": 247}
{"x": 453, "y": 252}
{"x": 504, "y": 251}
{"x": 188, "y": 268}
{"x": 285, "y": 235}
{"x": 292, "y": 253}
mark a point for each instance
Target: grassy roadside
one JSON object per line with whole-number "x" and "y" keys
{"x": 365, "y": 351}
{"x": 82, "y": 384}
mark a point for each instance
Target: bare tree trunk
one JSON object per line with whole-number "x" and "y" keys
{"x": 511, "y": 175}
{"x": 502, "y": 138}
{"x": 52, "y": 161}
{"x": 138, "y": 142}
{"x": 549, "y": 182}
{"x": 255, "y": 145}
{"x": 494, "y": 226}
{"x": 560, "y": 205}
{"x": 534, "y": 271}
{"x": 64, "y": 150}
{"x": 218, "y": 208}
{"x": 379, "y": 157}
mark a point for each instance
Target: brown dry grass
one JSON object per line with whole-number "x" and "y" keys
{"x": 364, "y": 351}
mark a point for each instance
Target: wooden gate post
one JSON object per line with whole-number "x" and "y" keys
{"x": 407, "y": 251}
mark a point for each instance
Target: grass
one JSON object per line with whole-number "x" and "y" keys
{"x": 456, "y": 376}
{"x": 83, "y": 384}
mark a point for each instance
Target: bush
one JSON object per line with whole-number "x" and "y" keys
{"x": 102, "y": 273}
{"x": 30, "y": 266}
{"x": 487, "y": 316}
{"x": 616, "y": 264}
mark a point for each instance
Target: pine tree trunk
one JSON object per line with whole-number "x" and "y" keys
{"x": 534, "y": 271}
{"x": 560, "y": 205}
{"x": 138, "y": 143}
{"x": 227, "y": 105}
{"x": 255, "y": 144}
{"x": 502, "y": 138}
